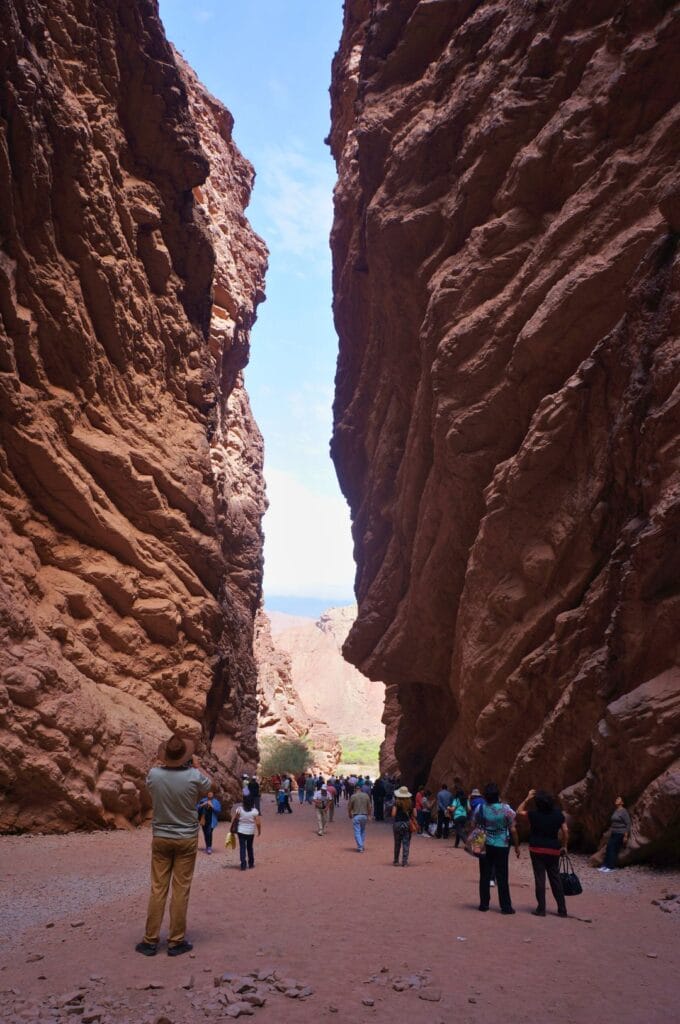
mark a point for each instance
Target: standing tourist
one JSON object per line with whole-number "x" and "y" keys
{"x": 254, "y": 789}
{"x": 547, "y": 838}
{"x": 359, "y": 809}
{"x": 175, "y": 787}
{"x": 208, "y": 809}
{"x": 424, "y": 815}
{"x": 402, "y": 817}
{"x": 310, "y": 789}
{"x": 618, "y": 837}
{"x": 248, "y": 821}
{"x": 498, "y": 821}
{"x": 443, "y": 804}
{"x": 459, "y": 815}
{"x": 301, "y": 779}
{"x": 379, "y": 799}
{"x": 321, "y": 807}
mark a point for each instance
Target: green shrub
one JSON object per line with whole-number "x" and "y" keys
{"x": 289, "y": 756}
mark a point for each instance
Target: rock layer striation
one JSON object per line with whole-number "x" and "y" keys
{"x": 506, "y": 281}
{"x": 130, "y": 467}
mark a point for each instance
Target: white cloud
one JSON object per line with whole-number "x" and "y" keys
{"x": 296, "y": 198}
{"x": 308, "y": 545}
{"x": 202, "y": 16}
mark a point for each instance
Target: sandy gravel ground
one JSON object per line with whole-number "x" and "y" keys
{"x": 350, "y": 926}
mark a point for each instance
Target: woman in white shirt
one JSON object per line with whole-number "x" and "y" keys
{"x": 246, "y": 820}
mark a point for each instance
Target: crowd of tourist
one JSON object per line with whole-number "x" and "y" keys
{"x": 183, "y": 799}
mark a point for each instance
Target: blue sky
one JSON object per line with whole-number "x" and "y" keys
{"x": 269, "y": 61}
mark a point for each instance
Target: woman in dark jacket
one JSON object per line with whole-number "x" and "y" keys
{"x": 547, "y": 839}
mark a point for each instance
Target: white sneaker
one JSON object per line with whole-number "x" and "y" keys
{"x": 604, "y": 869}
{"x": 493, "y": 884}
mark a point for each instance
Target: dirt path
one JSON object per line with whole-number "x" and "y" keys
{"x": 350, "y": 926}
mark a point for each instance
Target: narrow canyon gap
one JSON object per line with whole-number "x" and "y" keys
{"x": 506, "y": 295}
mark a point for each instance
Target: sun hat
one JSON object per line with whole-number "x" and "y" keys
{"x": 402, "y": 793}
{"x": 475, "y": 792}
{"x": 175, "y": 751}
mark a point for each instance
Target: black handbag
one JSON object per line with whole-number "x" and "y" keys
{"x": 571, "y": 885}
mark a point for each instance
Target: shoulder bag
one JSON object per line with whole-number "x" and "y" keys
{"x": 571, "y": 885}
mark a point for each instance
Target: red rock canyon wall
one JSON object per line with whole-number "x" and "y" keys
{"x": 130, "y": 467}
{"x": 506, "y": 280}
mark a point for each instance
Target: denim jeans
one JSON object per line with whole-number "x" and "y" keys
{"x": 359, "y": 826}
{"x": 245, "y": 847}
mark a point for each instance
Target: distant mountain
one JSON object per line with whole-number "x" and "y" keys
{"x": 304, "y": 607}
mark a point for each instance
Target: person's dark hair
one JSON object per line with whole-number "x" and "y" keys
{"x": 544, "y": 801}
{"x": 492, "y": 794}
{"x": 319, "y": 784}
{"x": 248, "y": 802}
{"x": 428, "y": 792}
{"x": 444, "y": 785}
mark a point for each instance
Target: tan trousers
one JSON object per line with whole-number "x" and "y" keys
{"x": 170, "y": 859}
{"x": 321, "y": 819}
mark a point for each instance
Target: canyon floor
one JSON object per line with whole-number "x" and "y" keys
{"x": 349, "y": 926}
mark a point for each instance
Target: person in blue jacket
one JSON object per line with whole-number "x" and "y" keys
{"x": 208, "y": 808}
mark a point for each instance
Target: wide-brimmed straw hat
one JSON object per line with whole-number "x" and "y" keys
{"x": 175, "y": 751}
{"x": 402, "y": 793}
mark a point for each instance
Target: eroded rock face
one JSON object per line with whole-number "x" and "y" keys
{"x": 282, "y": 714}
{"x": 506, "y": 282}
{"x": 130, "y": 467}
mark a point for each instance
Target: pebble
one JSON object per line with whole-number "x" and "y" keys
{"x": 368, "y": 1002}
{"x": 239, "y": 1009}
{"x": 34, "y": 957}
{"x": 77, "y": 924}
{"x": 432, "y": 995}
{"x": 332, "y": 1009}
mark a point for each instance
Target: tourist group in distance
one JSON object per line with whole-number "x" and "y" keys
{"x": 480, "y": 821}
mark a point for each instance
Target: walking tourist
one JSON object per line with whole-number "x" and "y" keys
{"x": 310, "y": 789}
{"x": 403, "y": 821}
{"x": 301, "y": 779}
{"x": 618, "y": 836}
{"x": 248, "y": 821}
{"x": 498, "y": 821}
{"x": 424, "y": 815}
{"x": 321, "y": 807}
{"x": 175, "y": 786}
{"x": 254, "y": 789}
{"x": 208, "y": 809}
{"x": 332, "y": 793}
{"x": 548, "y": 837}
{"x": 359, "y": 809}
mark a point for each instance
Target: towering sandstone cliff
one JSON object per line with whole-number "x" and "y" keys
{"x": 130, "y": 467}
{"x": 506, "y": 278}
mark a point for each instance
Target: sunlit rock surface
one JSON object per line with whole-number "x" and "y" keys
{"x": 130, "y": 467}
{"x": 506, "y": 416}
{"x": 282, "y": 714}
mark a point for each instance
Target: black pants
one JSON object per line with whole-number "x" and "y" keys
{"x": 460, "y": 828}
{"x": 614, "y": 846}
{"x": 379, "y": 808}
{"x": 495, "y": 857}
{"x": 442, "y": 825}
{"x": 207, "y": 835}
{"x": 245, "y": 846}
{"x": 548, "y": 864}
{"x": 287, "y": 806}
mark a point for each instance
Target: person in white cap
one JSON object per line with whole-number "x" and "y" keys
{"x": 321, "y": 807}
{"x": 176, "y": 786}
